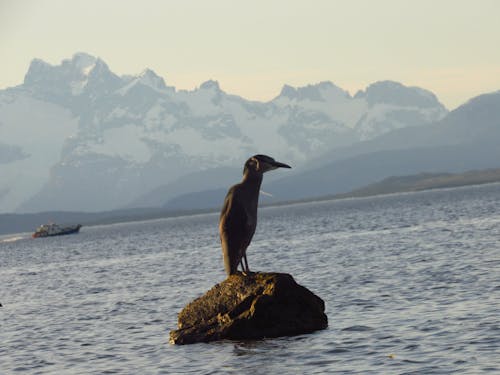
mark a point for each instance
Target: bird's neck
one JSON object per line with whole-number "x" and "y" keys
{"x": 251, "y": 183}
{"x": 252, "y": 180}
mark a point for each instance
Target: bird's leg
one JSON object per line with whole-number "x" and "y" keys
{"x": 247, "y": 270}
{"x": 244, "y": 270}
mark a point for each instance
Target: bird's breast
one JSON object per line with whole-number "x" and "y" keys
{"x": 251, "y": 220}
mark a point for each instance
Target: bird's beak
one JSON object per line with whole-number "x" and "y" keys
{"x": 277, "y": 164}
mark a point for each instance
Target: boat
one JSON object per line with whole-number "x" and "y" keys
{"x": 48, "y": 230}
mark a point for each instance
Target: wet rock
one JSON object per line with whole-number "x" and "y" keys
{"x": 251, "y": 307}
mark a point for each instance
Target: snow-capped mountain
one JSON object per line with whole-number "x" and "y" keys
{"x": 76, "y": 136}
{"x": 466, "y": 139}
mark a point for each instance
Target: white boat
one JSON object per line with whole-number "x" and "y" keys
{"x": 52, "y": 229}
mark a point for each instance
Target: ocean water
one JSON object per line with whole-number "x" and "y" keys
{"x": 411, "y": 284}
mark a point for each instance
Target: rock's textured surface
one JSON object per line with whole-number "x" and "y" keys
{"x": 251, "y": 307}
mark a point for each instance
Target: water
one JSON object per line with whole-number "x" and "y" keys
{"x": 411, "y": 284}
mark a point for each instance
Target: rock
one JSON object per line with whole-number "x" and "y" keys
{"x": 251, "y": 307}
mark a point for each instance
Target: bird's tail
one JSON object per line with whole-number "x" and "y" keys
{"x": 227, "y": 266}
{"x": 227, "y": 258}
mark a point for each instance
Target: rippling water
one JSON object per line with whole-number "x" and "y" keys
{"x": 411, "y": 284}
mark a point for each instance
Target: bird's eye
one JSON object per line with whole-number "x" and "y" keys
{"x": 256, "y": 164}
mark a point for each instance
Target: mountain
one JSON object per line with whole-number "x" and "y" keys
{"x": 477, "y": 120}
{"x": 194, "y": 182}
{"x": 76, "y": 136}
{"x": 425, "y": 181}
{"x": 465, "y": 139}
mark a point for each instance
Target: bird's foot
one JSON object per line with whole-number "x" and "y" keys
{"x": 249, "y": 273}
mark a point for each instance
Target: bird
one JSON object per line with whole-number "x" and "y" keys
{"x": 238, "y": 217}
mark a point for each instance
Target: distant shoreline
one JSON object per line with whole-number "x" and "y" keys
{"x": 426, "y": 181}
{"x": 22, "y": 223}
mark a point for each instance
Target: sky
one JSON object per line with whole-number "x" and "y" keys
{"x": 253, "y": 47}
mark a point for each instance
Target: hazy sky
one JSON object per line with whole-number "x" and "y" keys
{"x": 253, "y": 47}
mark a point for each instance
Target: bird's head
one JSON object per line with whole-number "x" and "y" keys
{"x": 259, "y": 164}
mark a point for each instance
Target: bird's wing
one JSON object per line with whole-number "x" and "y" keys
{"x": 234, "y": 219}
{"x": 232, "y": 225}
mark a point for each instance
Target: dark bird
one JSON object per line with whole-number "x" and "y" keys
{"x": 238, "y": 218}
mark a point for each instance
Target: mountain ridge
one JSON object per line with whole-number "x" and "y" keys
{"x": 119, "y": 137}
{"x": 467, "y": 138}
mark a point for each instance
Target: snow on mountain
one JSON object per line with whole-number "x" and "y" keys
{"x": 98, "y": 141}
{"x": 383, "y": 107}
{"x": 147, "y": 78}
{"x": 395, "y": 93}
{"x": 72, "y": 74}
{"x": 393, "y": 106}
